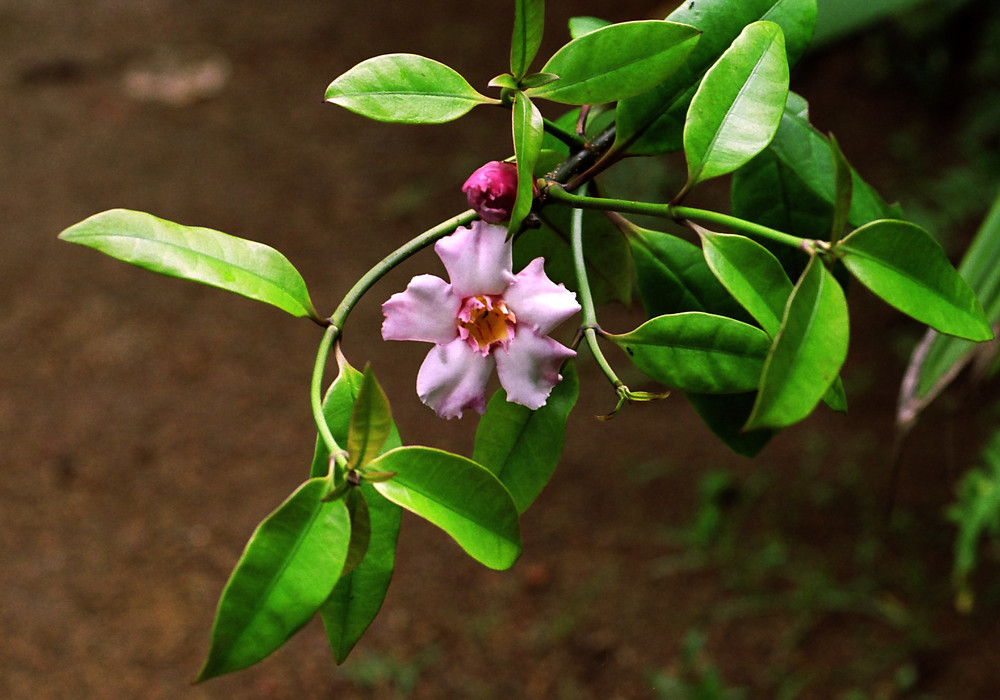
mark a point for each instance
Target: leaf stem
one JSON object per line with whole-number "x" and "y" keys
{"x": 567, "y": 137}
{"x": 670, "y": 211}
{"x": 337, "y": 453}
{"x": 589, "y": 327}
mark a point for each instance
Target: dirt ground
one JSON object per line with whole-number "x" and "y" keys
{"x": 148, "y": 424}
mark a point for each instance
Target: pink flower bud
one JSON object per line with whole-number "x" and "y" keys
{"x": 491, "y": 191}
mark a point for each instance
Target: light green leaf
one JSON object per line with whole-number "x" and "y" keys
{"x": 616, "y": 61}
{"x": 286, "y": 572}
{"x": 358, "y": 595}
{"x": 737, "y": 108}
{"x": 217, "y": 259}
{"x": 807, "y": 353}
{"x": 903, "y": 265}
{"x": 652, "y": 123}
{"x": 522, "y": 447}
{"x": 939, "y": 358}
{"x": 371, "y": 422}
{"x": 578, "y": 26}
{"x": 529, "y": 21}
{"x": 751, "y": 274}
{"x": 461, "y": 497}
{"x": 697, "y": 352}
{"x": 529, "y": 132}
{"x": 405, "y": 88}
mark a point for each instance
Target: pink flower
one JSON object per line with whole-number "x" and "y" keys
{"x": 491, "y": 191}
{"x": 485, "y": 317}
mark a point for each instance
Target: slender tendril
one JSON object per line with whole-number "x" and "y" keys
{"x": 671, "y": 211}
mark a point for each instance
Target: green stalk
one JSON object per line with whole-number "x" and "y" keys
{"x": 588, "y": 313}
{"x": 351, "y": 299}
{"x": 670, "y": 211}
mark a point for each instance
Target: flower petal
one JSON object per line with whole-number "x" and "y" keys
{"x": 538, "y": 301}
{"x": 478, "y": 259}
{"x": 530, "y": 367}
{"x": 426, "y": 310}
{"x": 453, "y": 378}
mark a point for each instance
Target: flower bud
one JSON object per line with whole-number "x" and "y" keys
{"x": 491, "y": 191}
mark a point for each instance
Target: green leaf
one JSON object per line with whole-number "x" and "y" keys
{"x": 751, "y": 274}
{"x": 697, "y": 352}
{"x": 286, "y": 572}
{"x": 578, "y": 26}
{"x": 529, "y": 131}
{"x": 725, "y": 415}
{"x": 217, "y": 259}
{"x": 461, "y": 497}
{"x": 606, "y": 253}
{"x": 522, "y": 447}
{"x": 405, "y": 88}
{"x": 616, "y": 61}
{"x": 529, "y": 21}
{"x": 652, "y": 123}
{"x": 807, "y": 353}
{"x": 371, "y": 422}
{"x": 791, "y": 186}
{"x": 358, "y": 595}
{"x": 939, "y": 358}
{"x": 903, "y": 265}
{"x": 361, "y": 530}
{"x": 736, "y": 111}
{"x": 843, "y": 191}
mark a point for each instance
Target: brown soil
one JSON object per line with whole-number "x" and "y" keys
{"x": 147, "y": 424}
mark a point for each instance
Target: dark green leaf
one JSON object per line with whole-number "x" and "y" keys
{"x": 405, "y": 88}
{"x": 217, "y": 259}
{"x": 461, "y": 497}
{"x": 522, "y": 447}
{"x": 903, "y": 265}
{"x": 843, "y": 190}
{"x": 358, "y": 595}
{"x": 807, "y": 353}
{"x": 361, "y": 530}
{"x": 697, "y": 352}
{"x": 617, "y": 61}
{"x": 288, "y": 569}
{"x": 578, "y": 26}
{"x": 609, "y": 266}
{"x": 529, "y": 131}
{"x": 737, "y": 108}
{"x": 939, "y": 358}
{"x": 371, "y": 422}
{"x": 725, "y": 415}
{"x": 652, "y": 123}
{"x": 529, "y": 21}
{"x": 791, "y": 186}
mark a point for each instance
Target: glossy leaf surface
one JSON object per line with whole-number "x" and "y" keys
{"x": 616, "y": 61}
{"x": 653, "y": 122}
{"x": 286, "y": 572}
{"x": 697, "y": 352}
{"x": 461, "y": 497}
{"x": 578, "y": 26}
{"x": 529, "y": 21}
{"x": 528, "y": 131}
{"x": 404, "y": 88}
{"x": 939, "y": 358}
{"x": 522, "y": 447}
{"x": 807, "y": 353}
{"x": 737, "y": 108}
{"x": 903, "y": 265}
{"x": 217, "y": 259}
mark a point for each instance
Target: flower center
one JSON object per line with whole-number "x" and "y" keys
{"x": 484, "y": 322}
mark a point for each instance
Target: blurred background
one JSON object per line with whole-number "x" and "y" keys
{"x": 148, "y": 424}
